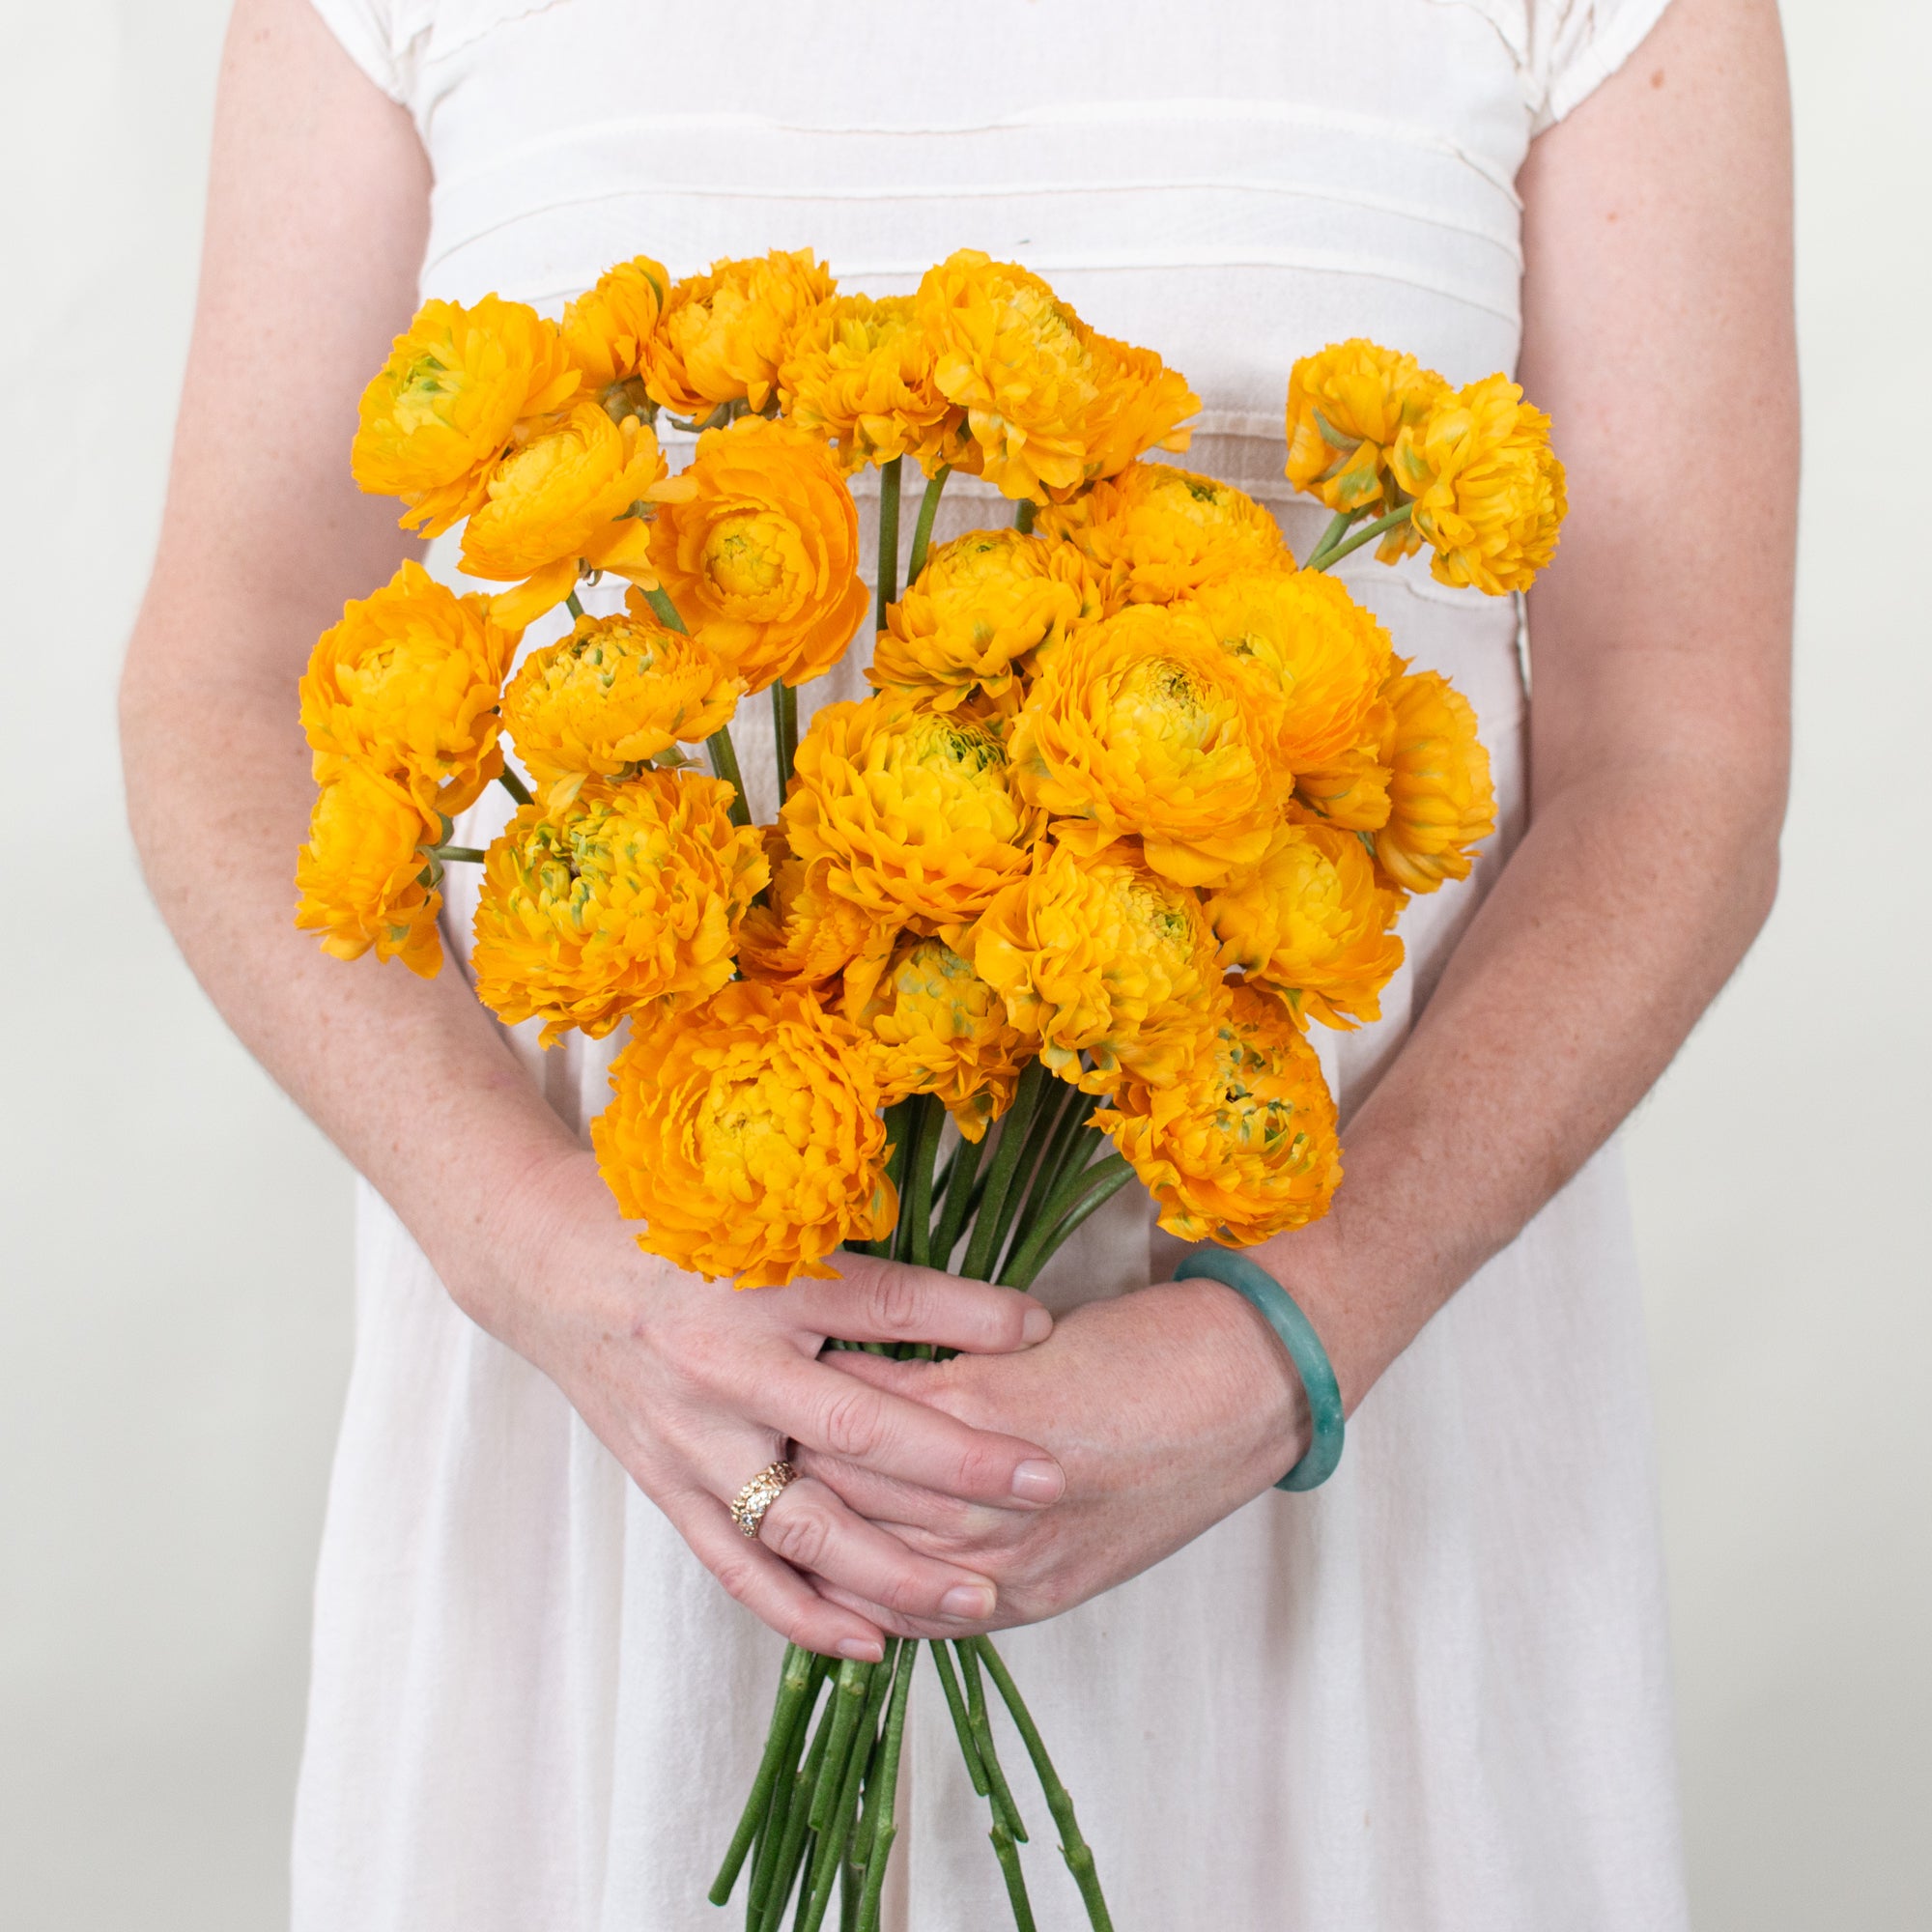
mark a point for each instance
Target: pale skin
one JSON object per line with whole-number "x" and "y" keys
{"x": 1049, "y": 1461}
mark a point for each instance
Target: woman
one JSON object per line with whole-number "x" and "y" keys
{"x": 1431, "y": 1693}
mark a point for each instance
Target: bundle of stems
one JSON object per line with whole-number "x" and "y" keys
{"x": 821, "y": 1808}
{"x": 822, "y": 1811}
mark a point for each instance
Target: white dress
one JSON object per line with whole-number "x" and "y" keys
{"x": 1432, "y": 1694}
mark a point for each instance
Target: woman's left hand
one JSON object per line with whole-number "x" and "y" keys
{"x": 1167, "y": 1408}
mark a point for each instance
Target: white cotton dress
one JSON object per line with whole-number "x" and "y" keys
{"x": 1432, "y": 1694}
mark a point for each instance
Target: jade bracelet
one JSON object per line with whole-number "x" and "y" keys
{"x": 1277, "y": 1308}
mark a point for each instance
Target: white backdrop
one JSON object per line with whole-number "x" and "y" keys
{"x": 174, "y": 1238}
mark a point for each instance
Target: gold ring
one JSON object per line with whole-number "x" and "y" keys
{"x": 750, "y": 1504}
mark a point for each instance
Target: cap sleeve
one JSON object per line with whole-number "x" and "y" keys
{"x": 381, "y": 37}
{"x": 1576, "y": 45}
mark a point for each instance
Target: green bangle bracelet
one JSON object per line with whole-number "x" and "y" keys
{"x": 1255, "y": 1285}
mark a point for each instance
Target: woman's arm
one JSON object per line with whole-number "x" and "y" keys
{"x": 316, "y": 223}
{"x": 1658, "y": 333}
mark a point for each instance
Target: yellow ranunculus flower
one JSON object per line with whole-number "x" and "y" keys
{"x": 1441, "y": 801}
{"x": 1098, "y": 956}
{"x": 407, "y": 684}
{"x": 1351, "y": 789}
{"x": 982, "y": 605}
{"x": 624, "y": 900}
{"x": 575, "y": 498}
{"x": 608, "y": 328}
{"x": 1050, "y": 404}
{"x": 363, "y": 875}
{"x": 609, "y": 698}
{"x": 936, "y": 1027}
{"x": 1141, "y": 405}
{"x": 761, "y": 559}
{"x": 860, "y": 375}
{"x": 446, "y": 405}
{"x": 1154, "y": 533}
{"x": 1320, "y": 653}
{"x": 1239, "y": 1143}
{"x": 724, "y": 335}
{"x": 1487, "y": 488}
{"x": 1345, "y": 408}
{"x": 745, "y": 1134}
{"x": 1143, "y": 727}
{"x": 802, "y": 934}
{"x": 1311, "y": 923}
{"x": 914, "y": 810}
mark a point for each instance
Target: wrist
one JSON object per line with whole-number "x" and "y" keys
{"x": 1257, "y": 1390}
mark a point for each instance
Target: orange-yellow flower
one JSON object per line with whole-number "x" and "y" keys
{"x": 1351, "y": 789}
{"x": 1049, "y": 403}
{"x": 624, "y": 900}
{"x": 859, "y": 374}
{"x": 936, "y": 1027}
{"x": 914, "y": 810}
{"x": 572, "y": 499}
{"x": 763, "y": 558}
{"x": 745, "y": 1134}
{"x": 1488, "y": 490}
{"x": 724, "y": 335}
{"x": 447, "y": 403}
{"x": 609, "y": 698}
{"x": 1345, "y": 408}
{"x": 1154, "y": 533}
{"x": 407, "y": 684}
{"x": 802, "y": 934}
{"x": 1441, "y": 802}
{"x": 1320, "y": 654}
{"x": 1311, "y": 922}
{"x": 365, "y": 878}
{"x": 1143, "y": 727}
{"x": 984, "y": 604}
{"x": 1239, "y": 1143}
{"x": 608, "y": 328}
{"x": 1100, "y": 956}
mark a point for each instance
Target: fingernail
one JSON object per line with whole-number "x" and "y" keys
{"x": 861, "y": 1649}
{"x": 969, "y": 1600}
{"x": 1038, "y": 1482}
{"x": 1036, "y": 1327}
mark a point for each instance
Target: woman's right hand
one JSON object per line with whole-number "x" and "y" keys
{"x": 694, "y": 1389}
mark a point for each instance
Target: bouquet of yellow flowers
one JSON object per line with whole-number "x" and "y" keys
{"x": 1135, "y": 801}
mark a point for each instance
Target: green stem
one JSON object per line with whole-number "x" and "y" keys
{"x": 785, "y": 1790}
{"x": 1023, "y": 512}
{"x": 1073, "y": 1848}
{"x": 1039, "y": 1136}
{"x": 1009, "y": 1854}
{"x": 725, "y": 763}
{"x": 1368, "y": 533}
{"x": 854, "y": 1681}
{"x": 1339, "y": 526}
{"x": 916, "y": 1204}
{"x": 978, "y": 1264}
{"x": 794, "y": 1680}
{"x": 878, "y": 1843}
{"x": 784, "y": 731}
{"x": 514, "y": 785}
{"x": 770, "y": 1905}
{"x": 829, "y": 1856}
{"x": 1059, "y": 1155}
{"x": 473, "y": 855}
{"x": 658, "y": 599}
{"x": 921, "y": 530}
{"x": 959, "y": 1191}
{"x": 889, "y": 536}
{"x": 1080, "y": 1196}
{"x": 963, "y": 1722}
{"x": 571, "y": 604}
{"x": 998, "y": 1790}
